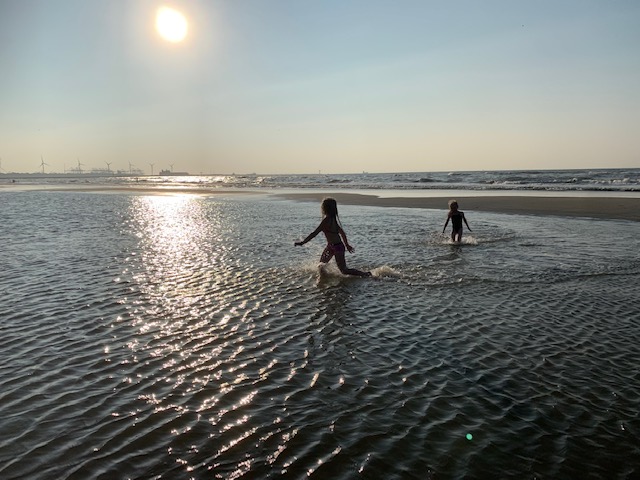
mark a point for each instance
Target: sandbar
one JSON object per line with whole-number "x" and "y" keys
{"x": 613, "y": 208}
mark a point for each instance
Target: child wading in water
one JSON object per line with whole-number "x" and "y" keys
{"x": 456, "y": 217}
{"x": 330, "y": 226}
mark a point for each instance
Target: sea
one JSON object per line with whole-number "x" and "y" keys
{"x": 594, "y": 180}
{"x": 183, "y": 335}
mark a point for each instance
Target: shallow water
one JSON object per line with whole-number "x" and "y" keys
{"x": 185, "y": 337}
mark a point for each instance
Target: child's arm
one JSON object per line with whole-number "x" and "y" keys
{"x": 465, "y": 222}
{"x": 344, "y": 239}
{"x": 311, "y": 235}
{"x": 446, "y": 223}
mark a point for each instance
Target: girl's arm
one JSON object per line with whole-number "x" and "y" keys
{"x": 344, "y": 239}
{"x": 446, "y": 223}
{"x": 311, "y": 235}
{"x": 465, "y": 222}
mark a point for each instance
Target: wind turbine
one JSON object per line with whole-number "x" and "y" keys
{"x": 131, "y": 165}
{"x": 152, "y": 164}
{"x": 171, "y": 165}
{"x": 80, "y": 165}
{"x": 1, "y": 169}
{"x": 42, "y": 163}
{"x": 108, "y": 166}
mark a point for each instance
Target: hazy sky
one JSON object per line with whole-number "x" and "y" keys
{"x": 293, "y": 86}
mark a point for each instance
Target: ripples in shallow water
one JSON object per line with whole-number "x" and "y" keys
{"x": 179, "y": 337}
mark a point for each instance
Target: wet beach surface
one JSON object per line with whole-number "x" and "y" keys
{"x": 183, "y": 336}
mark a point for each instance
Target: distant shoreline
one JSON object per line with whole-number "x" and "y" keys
{"x": 603, "y": 207}
{"x": 612, "y": 208}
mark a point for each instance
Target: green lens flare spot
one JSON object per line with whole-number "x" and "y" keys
{"x": 469, "y": 436}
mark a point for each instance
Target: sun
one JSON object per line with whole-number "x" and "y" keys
{"x": 171, "y": 24}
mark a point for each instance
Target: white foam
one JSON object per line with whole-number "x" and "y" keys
{"x": 467, "y": 240}
{"x": 384, "y": 271}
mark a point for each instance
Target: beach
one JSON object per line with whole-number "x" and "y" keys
{"x": 156, "y": 332}
{"x": 577, "y": 206}
{"x": 179, "y": 302}
{"x": 600, "y": 205}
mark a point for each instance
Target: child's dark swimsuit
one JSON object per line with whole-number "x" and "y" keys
{"x": 456, "y": 220}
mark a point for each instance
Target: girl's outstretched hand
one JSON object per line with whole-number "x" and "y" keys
{"x": 350, "y": 248}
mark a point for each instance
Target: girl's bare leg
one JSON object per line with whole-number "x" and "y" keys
{"x": 342, "y": 265}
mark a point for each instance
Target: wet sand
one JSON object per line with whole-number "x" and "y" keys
{"x": 618, "y": 208}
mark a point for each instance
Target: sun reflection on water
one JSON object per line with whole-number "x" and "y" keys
{"x": 178, "y": 246}
{"x": 173, "y": 231}
{"x": 203, "y": 354}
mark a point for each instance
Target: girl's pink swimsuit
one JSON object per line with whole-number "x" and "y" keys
{"x": 336, "y": 247}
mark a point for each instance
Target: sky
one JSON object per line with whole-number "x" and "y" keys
{"x": 332, "y": 86}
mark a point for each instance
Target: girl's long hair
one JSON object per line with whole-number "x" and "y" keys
{"x": 330, "y": 209}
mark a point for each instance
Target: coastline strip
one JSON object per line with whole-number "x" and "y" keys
{"x": 612, "y": 208}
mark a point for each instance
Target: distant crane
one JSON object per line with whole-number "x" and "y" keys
{"x": 42, "y": 163}
{"x": 108, "y": 166}
{"x": 151, "y": 165}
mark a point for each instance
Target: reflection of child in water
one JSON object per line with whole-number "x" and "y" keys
{"x": 330, "y": 226}
{"x": 456, "y": 217}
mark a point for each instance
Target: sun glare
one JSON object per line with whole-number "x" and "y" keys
{"x": 171, "y": 24}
